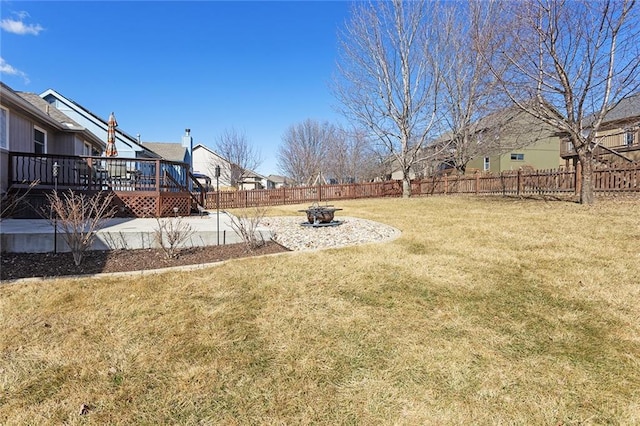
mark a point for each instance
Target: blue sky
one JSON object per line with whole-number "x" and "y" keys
{"x": 161, "y": 66}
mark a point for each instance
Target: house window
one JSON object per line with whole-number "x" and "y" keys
{"x": 629, "y": 138}
{"x": 4, "y": 128}
{"x": 39, "y": 141}
{"x": 517, "y": 157}
{"x": 86, "y": 149}
{"x": 487, "y": 164}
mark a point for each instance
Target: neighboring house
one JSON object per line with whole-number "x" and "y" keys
{"x": 519, "y": 142}
{"x": 276, "y": 181}
{"x": 178, "y": 152}
{"x": 415, "y": 172}
{"x": 506, "y": 140}
{"x": 128, "y": 146}
{"x": 618, "y": 138}
{"x": 253, "y": 180}
{"x": 205, "y": 161}
{"x": 173, "y": 151}
{"x": 28, "y": 124}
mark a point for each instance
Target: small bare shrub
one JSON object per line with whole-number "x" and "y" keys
{"x": 10, "y": 202}
{"x": 80, "y": 217}
{"x": 246, "y": 224}
{"x": 171, "y": 234}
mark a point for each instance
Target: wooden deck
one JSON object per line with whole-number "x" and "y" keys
{"x": 142, "y": 187}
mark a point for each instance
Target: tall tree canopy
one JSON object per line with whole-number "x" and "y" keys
{"x": 384, "y": 82}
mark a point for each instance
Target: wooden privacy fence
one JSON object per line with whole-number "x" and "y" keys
{"x": 618, "y": 179}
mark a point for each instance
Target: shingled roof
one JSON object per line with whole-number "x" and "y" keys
{"x": 50, "y": 110}
{"x": 167, "y": 150}
{"x": 629, "y": 107}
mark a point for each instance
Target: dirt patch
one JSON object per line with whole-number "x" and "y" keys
{"x": 26, "y": 265}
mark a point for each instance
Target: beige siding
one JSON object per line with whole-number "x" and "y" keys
{"x": 542, "y": 155}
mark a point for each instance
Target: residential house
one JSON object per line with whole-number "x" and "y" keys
{"x": 205, "y": 161}
{"x": 29, "y": 126}
{"x": 506, "y": 140}
{"x": 56, "y": 143}
{"x": 276, "y": 181}
{"x": 127, "y": 145}
{"x": 515, "y": 141}
{"x": 618, "y": 139}
{"x": 253, "y": 180}
{"x": 177, "y": 152}
{"x": 172, "y": 151}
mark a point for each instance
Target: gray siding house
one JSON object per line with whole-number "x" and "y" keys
{"x": 28, "y": 124}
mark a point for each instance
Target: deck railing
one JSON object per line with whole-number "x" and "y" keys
{"x": 98, "y": 173}
{"x": 621, "y": 142}
{"x": 143, "y": 187}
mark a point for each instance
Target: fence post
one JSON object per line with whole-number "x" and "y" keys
{"x": 446, "y": 184}
{"x": 578, "y": 178}
{"x": 477, "y": 182}
{"x": 519, "y": 190}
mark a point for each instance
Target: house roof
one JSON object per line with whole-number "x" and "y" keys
{"x": 37, "y": 106}
{"x": 628, "y": 107}
{"x": 168, "y": 150}
{"x": 249, "y": 174}
{"x": 278, "y": 179}
{"x": 124, "y": 137}
{"x": 50, "y": 110}
{"x": 206, "y": 148}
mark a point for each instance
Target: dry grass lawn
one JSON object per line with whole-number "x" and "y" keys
{"x": 484, "y": 311}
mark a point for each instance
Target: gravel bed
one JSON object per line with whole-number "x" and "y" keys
{"x": 289, "y": 232}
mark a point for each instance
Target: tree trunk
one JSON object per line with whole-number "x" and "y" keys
{"x": 406, "y": 186}
{"x": 586, "y": 187}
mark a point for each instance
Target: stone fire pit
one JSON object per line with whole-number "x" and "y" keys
{"x": 320, "y": 215}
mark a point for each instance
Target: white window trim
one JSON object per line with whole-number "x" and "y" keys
{"x": 629, "y": 138}
{"x": 486, "y": 164}
{"x": 46, "y": 138}
{"x": 6, "y": 129}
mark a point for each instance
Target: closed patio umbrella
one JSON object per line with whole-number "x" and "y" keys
{"x": 111, "y": 150}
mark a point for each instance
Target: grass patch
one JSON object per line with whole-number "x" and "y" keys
{"x": 484, "y": 311}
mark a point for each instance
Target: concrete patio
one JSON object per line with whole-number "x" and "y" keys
{"x": 38, "y": 235}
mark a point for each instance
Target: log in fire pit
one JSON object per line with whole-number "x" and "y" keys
{"x": 320, "y": 215}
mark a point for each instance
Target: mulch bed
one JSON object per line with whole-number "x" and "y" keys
{"x": 26, "y": 265}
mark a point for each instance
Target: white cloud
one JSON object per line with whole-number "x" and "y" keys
{"x": 6, "y": 68}
{"x": 17, "y": 26}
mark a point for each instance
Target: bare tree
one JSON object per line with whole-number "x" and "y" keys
{"x": 567, "y": 63}
{"x": 384, "y": 82}
{"x": 469, "y": 92}
{"x": 242, "y": 158}
{"x": 349, "y": 157}
{"x": 302, "y": 154}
